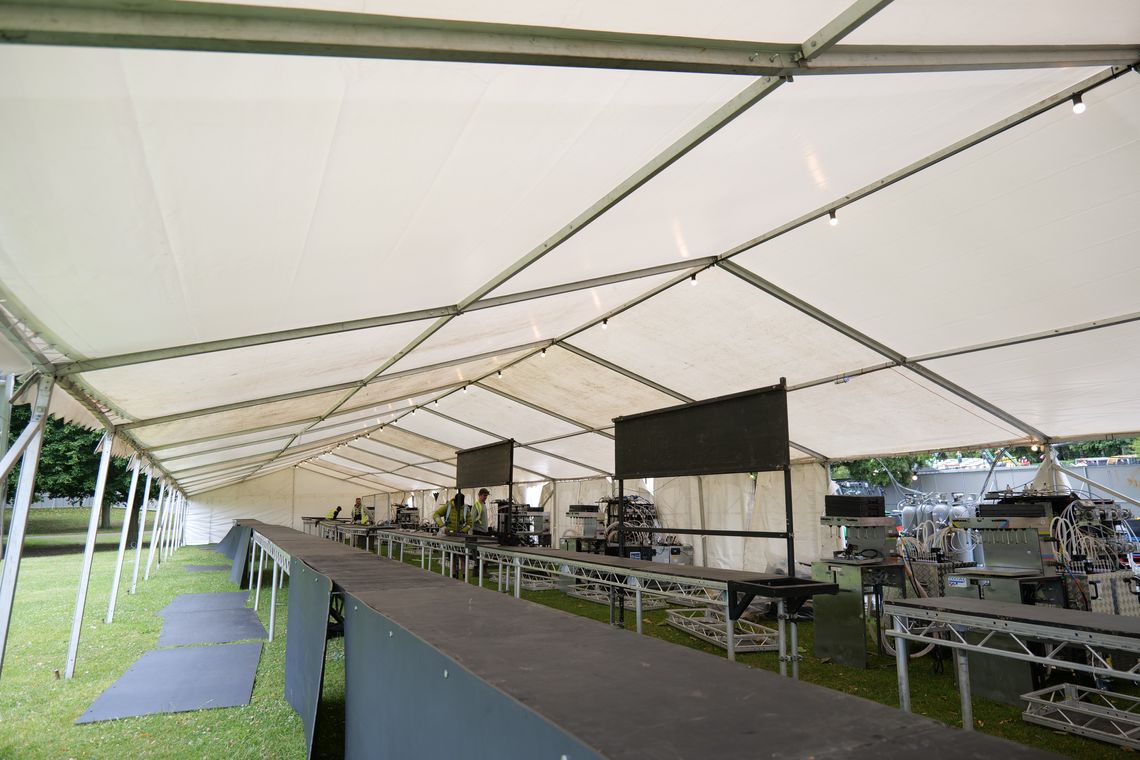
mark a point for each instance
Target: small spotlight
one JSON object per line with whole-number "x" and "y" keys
{"x": 605, "y": 323}
{"x": 832, "y": 219}
{"x": 465, "y": 389}
{"x": 693, "y": 281}
{"x": 913, "y": 478}
{"x": 413, "y": 410}
{"x": 499, "y": 373}
{"x": 543, "y": 352}
{"x": 1078, "y": 104}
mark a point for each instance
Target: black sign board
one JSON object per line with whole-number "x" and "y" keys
{"x": 744, "y": 432}
{"x": 490, "y": 465}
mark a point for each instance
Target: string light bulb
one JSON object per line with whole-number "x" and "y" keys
{"x": 693, "y": 280}
{"x": 832, "y": 219}
{"x": 1078, "y": 104}
{"x": 499, "y": 373}
{"x": 605, "y": 323}
{"x": 465, "y": 389}
{"x": 543, "y": 352}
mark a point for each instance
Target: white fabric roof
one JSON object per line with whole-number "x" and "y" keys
{"x": 251, "y": 262}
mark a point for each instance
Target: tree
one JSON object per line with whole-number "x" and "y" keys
{"x": 68, "y": 462}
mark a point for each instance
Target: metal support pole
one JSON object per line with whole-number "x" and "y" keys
{"x": 480, "y": 571}
{"x": 5, "y": 429}
{"x": 156, "y": 531}
{"x": 518, "y": 578}
{"x": 252, "y": 557}
{"x": 466, "y": 568}
{"x": 621, "y": 553}
{"x": 20, "y": 506}
{"x": 781, "y": 615}
{"x": 89, "y": 553}
{"x": 500, "y": 574}
{"x": 260, "y": 568}
{"x": 273, "y": 598}
{"x": 402, "y": 542}
{"x": 902, "y": 665}
{"x": 788, "y": 522}
{"x": 450, "y": 562}
{"x": 123, "y": 542}
{"x": 730, "y": 632}
{"x": 964, "y": 689}
{"x": 142, "y": 531}
{"x": 423, "y": 556}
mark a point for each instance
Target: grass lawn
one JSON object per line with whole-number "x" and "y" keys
{"x": 38, "y": 710}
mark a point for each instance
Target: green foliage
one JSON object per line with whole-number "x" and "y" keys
{"x": 874, "y": 471}
{"x": 68, "y": 462}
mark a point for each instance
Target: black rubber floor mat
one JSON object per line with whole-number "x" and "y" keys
{"x": 210, "y": 627}
{"x": 177, "y": 680}
{"x": 221, "y": 600}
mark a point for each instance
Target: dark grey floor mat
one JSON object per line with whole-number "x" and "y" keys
{"x": 211, "y": 627}
{"x": 206, "y": 568}
{"x": 177, "y": 680}
{"x": 221, "y": 600}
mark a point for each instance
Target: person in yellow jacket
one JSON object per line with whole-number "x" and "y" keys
{"x": 333, "y": 513}
{"x": 453, "y": 516}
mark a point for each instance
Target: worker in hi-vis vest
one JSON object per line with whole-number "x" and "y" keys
{"x": 332, "y": 515}
{"x": 453, "y": 516}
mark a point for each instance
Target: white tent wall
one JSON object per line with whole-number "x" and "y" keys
{"x": 280, "y": 498}
{"x": 737, "y": 502}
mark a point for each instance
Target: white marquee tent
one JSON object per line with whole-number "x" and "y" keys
{"x": 296, "y": 255}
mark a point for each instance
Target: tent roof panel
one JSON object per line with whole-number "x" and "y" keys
{"x": 578, "y": 388}
{"x": 1001, "y": 22}
{"x": 720, "y": 337}
{"x": 502, "y": 327}
{"x": 441, "y": 429}
{"x": 199, "y": 141}
{"x": 241, "y": 452}
{"x": 589, "y": 448}
{"x": 805, "y": 145}
{"x": 426, "y": 446}
{"x": 551, "y": 467}
{"x": 177, "y": 385}
{"x": 888, "y": 412}
{"x": 1033, "y": 230}
{"x": 1071, "y": 386}
{"x": 489, "y": 411}
{"x": 231, "y": 440}
{"x": 237, "y": 420}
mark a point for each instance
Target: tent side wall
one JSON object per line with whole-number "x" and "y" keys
{"x": 280, "y": 498}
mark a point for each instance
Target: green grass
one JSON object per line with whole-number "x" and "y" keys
{"x": 64, "y": 520}
{"x": 38, "y": 709}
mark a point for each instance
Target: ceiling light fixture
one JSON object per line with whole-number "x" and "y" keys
{"x": 832, "y": 219}
{"x": 693, "y": 280}
{"x": 1078, "y": 104}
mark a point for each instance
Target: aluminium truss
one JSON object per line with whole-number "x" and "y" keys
{"x": 1085, "y": 711}
{"x": 708, "y": 624}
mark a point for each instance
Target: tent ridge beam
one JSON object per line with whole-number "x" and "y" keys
{"x": 866, "y": 341}
{"x": 166, "y": 25}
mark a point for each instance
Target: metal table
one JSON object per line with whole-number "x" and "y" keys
{"x": 946, "y": 620}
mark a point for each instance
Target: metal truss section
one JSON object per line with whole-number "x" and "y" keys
{"x": 655, "y": 584}
{"x": 531, "y": 581}
{"x": 279, "y": 555}
{"x": 599, "y": 594}
{"x": 708, "y": 624}
{"x": 1081, "y": 710}
{"x": 1064, "y": 648}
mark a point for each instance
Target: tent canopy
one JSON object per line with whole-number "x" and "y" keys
{"x": 356, "y": 253}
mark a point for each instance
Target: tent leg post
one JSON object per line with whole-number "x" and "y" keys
{"x": 5, "y": 426}
{"x": 123, "y": 543}
{"x": 89, "y": 554}
{"x": 781, "y": 616}
{"x": 30, "y": 447}
{"x": 259, "y": 552}
{"x": 273, "y": 598}
{"x": 156, "y": 531}
{"x": 141, "y": 533}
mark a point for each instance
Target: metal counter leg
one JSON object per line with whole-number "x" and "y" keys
{"x": 901, "y": 663}
{"x": 964, "y": 689}
{"x": 781, "y": 618}
{"x": 794, "y": 651}
{"x": 518, "y": 578}
{"x": 273, "y": 598}
{"x": 730, "y": 633}
{"x": 637, "y": 603}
